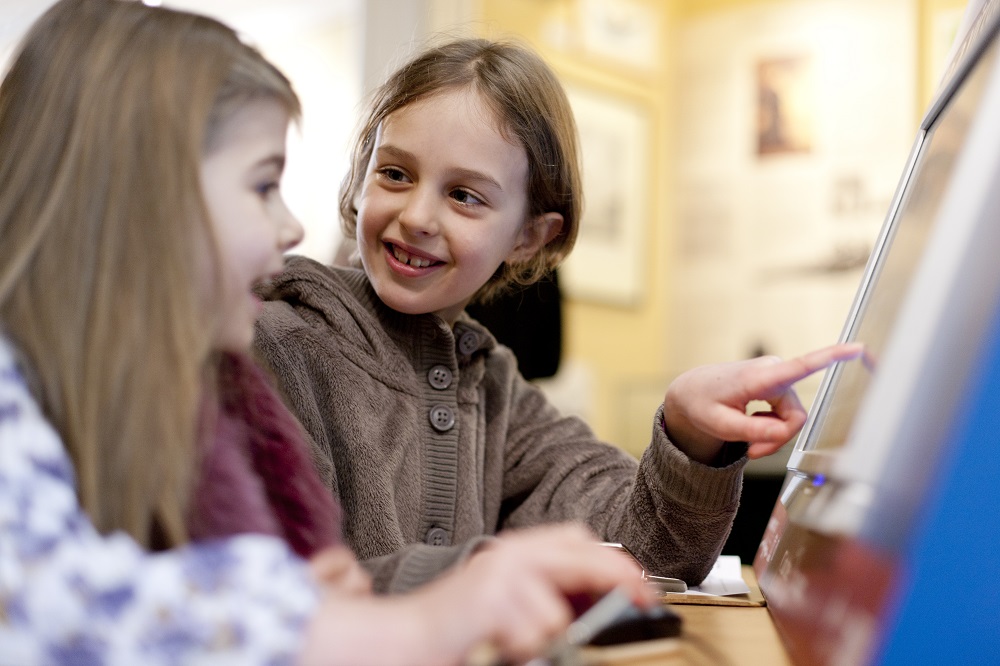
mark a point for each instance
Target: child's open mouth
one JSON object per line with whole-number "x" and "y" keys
{"x": 410, "y": 259}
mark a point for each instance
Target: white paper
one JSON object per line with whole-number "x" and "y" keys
{"x": 723, "y": 580}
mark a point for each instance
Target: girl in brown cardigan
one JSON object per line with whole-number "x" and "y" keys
{"x": 465, "y": 179}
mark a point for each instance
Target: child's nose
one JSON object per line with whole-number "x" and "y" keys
{"x": 419, "y": 215}
{"x": 290, "y": 232}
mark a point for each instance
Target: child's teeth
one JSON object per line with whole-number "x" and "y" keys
{"x": 405, "y": 258}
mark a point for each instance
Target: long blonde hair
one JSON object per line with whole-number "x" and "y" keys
{"x": 105, "y": 115}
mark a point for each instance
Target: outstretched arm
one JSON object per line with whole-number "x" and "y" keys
{"x": 706, "y": 406}
{"x": 513, "y": 596}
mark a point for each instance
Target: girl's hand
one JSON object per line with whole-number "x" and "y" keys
{"x": 337, "y": 571}
{"x": 510, "y": 600}
{"x": 706, "y": 406}
{"x": 514, "y": 596}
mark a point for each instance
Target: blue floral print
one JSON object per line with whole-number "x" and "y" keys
{"x": 69, "y": 595}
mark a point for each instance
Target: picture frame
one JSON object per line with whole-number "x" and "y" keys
{"x": 785, "y": 105}
{"x": 607, "y": 264}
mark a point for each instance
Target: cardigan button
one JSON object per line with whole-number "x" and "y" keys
{"x": 439, "y": 377}
{"x": 436, "y": 536}
{"x": 468, "y": 343}
{"x": 442, "y": 418}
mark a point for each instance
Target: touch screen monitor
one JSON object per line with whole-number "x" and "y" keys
{"x": 834, "y": 555}
{"x": 890, "y": 270}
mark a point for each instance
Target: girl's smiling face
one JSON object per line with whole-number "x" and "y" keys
{"x": 443, "y": 204}
{"x": 240, "y": 178}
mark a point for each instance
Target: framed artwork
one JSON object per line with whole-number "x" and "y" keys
{"x": 623, "y": 31}
{"x": 607, "y": 263}
{"x": 785, "y": 105}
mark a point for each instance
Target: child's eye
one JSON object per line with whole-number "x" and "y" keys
{"x": 466, "y": 198}
{"x": 393, "y": 174}
{"x": 266, "y": 188}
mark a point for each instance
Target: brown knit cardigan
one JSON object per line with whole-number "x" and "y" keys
{"x": 433, "y": 442}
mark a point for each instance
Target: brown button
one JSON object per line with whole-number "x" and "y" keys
{"x": 436, "y": 536}
{"x": 439, "y": 377}
{"x": 468, "y": 343}
{"x": 442, "y": 418}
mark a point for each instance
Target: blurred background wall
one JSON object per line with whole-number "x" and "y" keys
{"x": 740, "y": 156}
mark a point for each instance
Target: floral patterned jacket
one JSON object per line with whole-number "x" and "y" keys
{"x": 70, "y": 595}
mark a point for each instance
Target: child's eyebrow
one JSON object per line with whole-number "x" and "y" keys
{"x": 277, "y": 160}
{"x": 397, "y": 153}
{"x": 471, "y": 174}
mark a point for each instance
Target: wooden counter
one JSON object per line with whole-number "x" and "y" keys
{"x": 712, "y": 636}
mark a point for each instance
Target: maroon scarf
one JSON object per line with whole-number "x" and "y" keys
{"x": 256, "y": 473}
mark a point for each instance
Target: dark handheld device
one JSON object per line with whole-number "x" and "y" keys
{"x": 615, "y": 620}
{"x": 636, "y": 624}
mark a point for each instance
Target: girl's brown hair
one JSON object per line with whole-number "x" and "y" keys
{"x": 105, "y": 115}
{"x": 530, "y": 108}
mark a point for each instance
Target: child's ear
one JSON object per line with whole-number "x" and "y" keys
{"x": 534, "y": 235}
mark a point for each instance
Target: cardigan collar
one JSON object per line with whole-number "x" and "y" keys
{"x": 308, "y": 282}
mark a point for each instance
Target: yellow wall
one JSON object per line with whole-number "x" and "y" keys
{"x": 620, "y": 346}
{"x": 930, "y": 15}
{"x": 627, "y": 349}
{"x": 928, "y": 12}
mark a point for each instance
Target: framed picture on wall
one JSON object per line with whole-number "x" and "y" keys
{"x": 785, "y": 105}
{"x": 607, "y": 263}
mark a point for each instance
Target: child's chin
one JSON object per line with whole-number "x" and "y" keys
{"x": 396, "y": 298}
{"x": 405, "y": 307}
{"x": 235, "y": 341}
